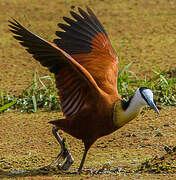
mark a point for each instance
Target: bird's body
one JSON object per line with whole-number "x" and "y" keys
{"x": 101, "y": 109}
{"x": 85, "y": 67}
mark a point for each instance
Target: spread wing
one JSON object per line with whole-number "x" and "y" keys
{"x": 72, "y": 80}
{"x": 85, "y": 39}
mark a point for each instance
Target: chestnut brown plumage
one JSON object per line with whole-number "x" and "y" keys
{"x": 85, "y": 67}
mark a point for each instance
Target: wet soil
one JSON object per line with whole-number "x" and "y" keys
{"x": 144, "y": 33}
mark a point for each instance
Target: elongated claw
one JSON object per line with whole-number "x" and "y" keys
{"x": 64, "y": 160}
{"x": 69, "y": 161}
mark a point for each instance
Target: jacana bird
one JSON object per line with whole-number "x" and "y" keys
{"x": 85, "y": 67}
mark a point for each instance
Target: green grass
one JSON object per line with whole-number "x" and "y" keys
{"x": 162, "y": 83}
{"x": 38, "y": 95}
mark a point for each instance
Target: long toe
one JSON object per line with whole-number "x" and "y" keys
{"x": 63, "y": 161}
{"x": 58, "y": 161}
{"x": 69, "y": 161}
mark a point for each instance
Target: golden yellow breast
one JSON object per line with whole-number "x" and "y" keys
{"x": 121, "y": 117}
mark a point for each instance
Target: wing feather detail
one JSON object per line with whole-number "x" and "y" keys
{"x": 85, "y": 39}
{"x": 72, "y": 80}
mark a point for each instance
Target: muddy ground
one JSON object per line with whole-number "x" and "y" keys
{"x": 144, "y": 32}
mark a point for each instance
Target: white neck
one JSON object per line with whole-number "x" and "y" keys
{"x": 122, "y": 117}
{"x": 136, "y": 104}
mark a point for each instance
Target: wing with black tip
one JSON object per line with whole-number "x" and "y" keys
{"x": 85, "y": 39}
{"x": 72, "y": 80}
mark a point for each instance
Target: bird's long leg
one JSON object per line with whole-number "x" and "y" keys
{"x": 83, "y": 160}
{"x": 64, "y": 159}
